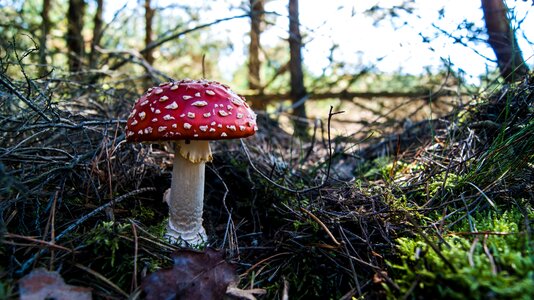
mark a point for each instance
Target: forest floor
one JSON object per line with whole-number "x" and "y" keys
{"x": 385, "y": 206}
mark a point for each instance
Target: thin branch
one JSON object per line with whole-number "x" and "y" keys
{"x": 7, "y": 84}
{"x": 285, "y": 188}
{"x": 162, "y": 41}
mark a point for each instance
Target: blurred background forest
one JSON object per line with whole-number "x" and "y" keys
{"x": 394, "y": 157}
{"x": 279, "y": 56}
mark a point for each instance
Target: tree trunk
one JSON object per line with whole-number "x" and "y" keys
{"x": 149, "y": 15}
{"x": 97, "y": 34}
{"x": 503, "y": 41}
{"x": 254, "y": 64}
{"x": 75, "y": 43}
{"x": 298, "y": 91}
{"x": 45, "y": 26}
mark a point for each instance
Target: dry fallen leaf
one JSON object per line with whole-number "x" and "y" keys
{"x": 41, "y": 284}
{"x": 195, "y": 275}
{"x": 232, "y": 290}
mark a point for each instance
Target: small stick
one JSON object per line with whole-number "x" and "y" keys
{"x": 305, "y": 190}
{"x": 31, "y": 239}
{"x": 322, "y": 225}
{"x": 101, "y": 277}
{"x": 53, "y": 230}
{"x": 136, "y": 248}
{"x": 488, "y": 254}
{"x": 263, "y": 261}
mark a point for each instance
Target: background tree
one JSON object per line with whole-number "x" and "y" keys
{"x": 45, "y": 26}
{"x": 97, "y": 33}
{"x": 298, "y": 90}
{"x": 503, "y": 40}
{"x": 254, "y": 64}
{"x": 149, "y": 16}
{"x": 74, "y": 39}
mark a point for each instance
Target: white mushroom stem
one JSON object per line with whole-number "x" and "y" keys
{"x": 186, "y": 195}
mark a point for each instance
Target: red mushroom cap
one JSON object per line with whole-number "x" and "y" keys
{"x": 190, "y": 110}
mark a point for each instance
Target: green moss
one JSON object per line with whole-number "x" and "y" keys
{"x": 6, "y": 291}
{"x": 105, "y": 238}
{"x": 496, "y": 265}
{"x": 442, "y": 181}
{"x": 143, "y": 214}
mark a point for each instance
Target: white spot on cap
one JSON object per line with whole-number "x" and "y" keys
{"x": 174, "y": 125}
{"x": 174, "y": 87}
{"x": 213, "y": 123}
{"x": 199, "y": 103}
{"x": 168, "y": 117}
{"x": 207, "y": 115}
{"x": 162, "y": 128}
{"x": 210, "y": 92}
{"x": 236, "y": 101}
{"x": 186, "y": 97}
{"x": 224, "y": 134}
{"x": 197, "y": 94}
{"x": 163, "y": 98}
{"x": 157, "y": 111}
{"x": 148, "y": 130}
{"x": 149, "y": 90}
{"x": 130, "y": 133}
{"x": 172, "y": 106}
{"x": 255, "y": 128}
{"x": 132, "y": 113}
{"x": 140, "y": 132}
{"x": 212, "y": 129}
{"x": 239, "y": 115}
{"x": 223, "y": 113}
{"x": 230, "y": 107}
{"x": 144, "y": 103}
{"x": 231, "y": 127}
{"x": 203, "y": 128}
{"x": 216, "y": 105}
{"x": 134, "y": 122}
{"x": 155, "y": 120}
{"x": 182, "y": 115}
{"x": 142, "y": 115}
{"x": 242, "y": 128}
{"x": 158, "y": 91}
{"x": 219, "y": 125}
{"x": 195, "y": 135}
{"x": 187, "y": 126}
{"x": 191, "y": 115}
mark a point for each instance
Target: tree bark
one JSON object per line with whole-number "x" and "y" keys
{"x": 503, "y": 41}
{"x": 149, "y": 16}
{"x": 75, "y": 43}
{"x": 298, "y": 91}
{"x": 45, "y": 26}
{"x": 97, "y": 34}
{"x": 254, "y": 64}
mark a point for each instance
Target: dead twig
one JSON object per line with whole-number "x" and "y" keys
{"x": 316, "y": 219}
{"x": 305, "y": 190}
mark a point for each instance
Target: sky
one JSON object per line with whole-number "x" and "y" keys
{"x": 389, "y": 45}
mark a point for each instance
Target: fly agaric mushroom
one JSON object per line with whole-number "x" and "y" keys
{"x": 190, "y": 113}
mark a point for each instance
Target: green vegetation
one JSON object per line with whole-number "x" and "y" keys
{"x": 491, "y": 253}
